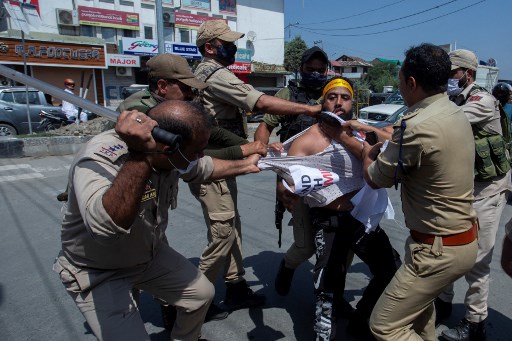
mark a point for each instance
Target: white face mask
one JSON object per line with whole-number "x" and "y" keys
{"x": 453, "y": 85}
{"x": 191, "y": 164}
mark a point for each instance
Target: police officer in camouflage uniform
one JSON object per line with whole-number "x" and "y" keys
{"x": 492, "y": 181}
{"x": 225, "y": 98}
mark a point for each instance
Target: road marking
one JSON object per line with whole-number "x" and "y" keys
{"x": 25, "y": 172}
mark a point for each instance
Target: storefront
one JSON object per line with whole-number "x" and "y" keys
{"x": 267, "y": 75}
{"x": 54, "y": 61}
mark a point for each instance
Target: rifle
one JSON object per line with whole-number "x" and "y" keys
{"x": 279, "y": 212}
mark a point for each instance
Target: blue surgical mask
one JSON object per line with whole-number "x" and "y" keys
{"x": 314, "y": 80}
{"x": 453, "y": 87}
{"x": 191, "y": 164}
{"x": 227, "y": 53}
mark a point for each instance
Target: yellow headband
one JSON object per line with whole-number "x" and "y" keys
{"x": 335, "y": 83}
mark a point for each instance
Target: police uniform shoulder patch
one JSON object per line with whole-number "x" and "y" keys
{"x": 474, "y": 98}
{"x": 111, "y": 152}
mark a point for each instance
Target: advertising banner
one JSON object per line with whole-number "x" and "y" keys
{"x": 200, "y": 4}
{"x": 191, "y": 21}
{"x": 140, "y": 46}
{"x": 108, "y": 18}
{"x": 239, "y": 67}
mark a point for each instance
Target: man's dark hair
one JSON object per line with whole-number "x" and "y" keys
{"x": 429, "y": 65}
{"x": 181, "y": 118}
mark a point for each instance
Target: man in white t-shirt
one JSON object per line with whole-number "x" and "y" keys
{"x": 69, "y": 109}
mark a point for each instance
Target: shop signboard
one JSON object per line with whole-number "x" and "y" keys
{"x": 191, "y": 21}
{"x": 49, "y": 53}
{"x": 186, "y": 50}
{"x": 239, "y": 67}
{"x": 93, "y": 16}
{"x": 123, "y": 60}
{"x": 243, "y": 55}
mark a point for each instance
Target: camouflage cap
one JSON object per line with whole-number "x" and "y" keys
{"x": 170, "y": 66}
{"x": 463, "y": 59}
{"x": 212, "y": 29}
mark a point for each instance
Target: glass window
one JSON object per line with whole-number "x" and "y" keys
{"x": 87, "y": 31}
{"x": 148, "y": 32}
{"x": 7, "y": 97}
{"x": 227, "y": 6}
{"x": 168, "y": 34}
{"x": 20, "y": 97}
{"x": 129, "y": 33}
{"x": 354, "y": 69}
{"x": 185, "y": 35}
{"x": 108, "y": 34}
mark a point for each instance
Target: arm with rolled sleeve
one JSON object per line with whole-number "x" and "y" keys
{"x": 108, "y": 197}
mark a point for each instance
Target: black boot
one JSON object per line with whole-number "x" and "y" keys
{"x": 215, "y": 313}
{"x": 466, "y": 331}
{"x": 239, "y": 296}
{"x": 443, "y": 310}
{"x": 284, "y": 279}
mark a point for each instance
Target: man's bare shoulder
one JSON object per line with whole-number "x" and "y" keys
{"x": 311, "y": 142}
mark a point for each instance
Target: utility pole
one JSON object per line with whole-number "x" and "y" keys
{"x": 289, "y": 27}
{"x": 160, "y": 26}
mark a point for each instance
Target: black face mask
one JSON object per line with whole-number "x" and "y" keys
{"x": 314, "y": 80}
{"x": 227, "y": 53}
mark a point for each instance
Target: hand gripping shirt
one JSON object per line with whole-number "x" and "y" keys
{"x": 89, "y": 237}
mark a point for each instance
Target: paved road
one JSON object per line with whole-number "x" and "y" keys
{"x": 34, "y": 305}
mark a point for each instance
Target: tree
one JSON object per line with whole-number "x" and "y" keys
{"x": 382, "y": 74}
{"x": 293, "y": 51}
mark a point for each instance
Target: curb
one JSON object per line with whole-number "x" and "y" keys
{"x": 13, "y": 147}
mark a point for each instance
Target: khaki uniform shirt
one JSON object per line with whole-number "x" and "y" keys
{"x": 226, "y": 92}
{"x": 482, "y": 110}
{"x": 89, "y": 237}
{"x": 438, "y": 153}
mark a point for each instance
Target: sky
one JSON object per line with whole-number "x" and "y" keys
{"x": 482, "y": 26}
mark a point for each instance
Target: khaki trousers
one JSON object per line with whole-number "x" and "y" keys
{"x": 109, "y": 307}
{"x": 405, "y": 311}
{"x": 224, "y": 249}
{"x": 488, "y": 211}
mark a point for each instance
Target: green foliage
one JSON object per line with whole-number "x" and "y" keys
{"x": 293, "y": 51}
{"x": 382, "y": 74}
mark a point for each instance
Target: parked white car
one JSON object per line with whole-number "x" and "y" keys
{"x": 378, "y": 113}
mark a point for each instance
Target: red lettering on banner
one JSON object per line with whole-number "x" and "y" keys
{"x": 328, "y": 178}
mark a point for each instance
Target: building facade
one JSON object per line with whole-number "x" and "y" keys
{"x": 123, "y": 34}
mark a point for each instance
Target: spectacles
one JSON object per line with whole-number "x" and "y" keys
{"x": 70, "y": 84}
{"x": 400, "y": 163}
